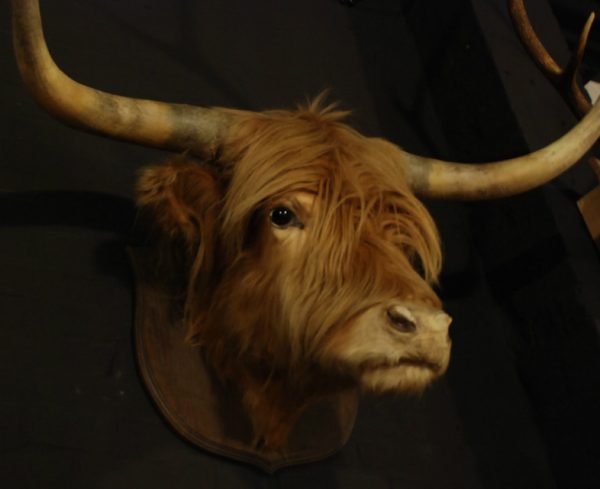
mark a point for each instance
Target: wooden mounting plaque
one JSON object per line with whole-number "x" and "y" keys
{"x": 199, "y": 407}
{"x": 589, "y": 206}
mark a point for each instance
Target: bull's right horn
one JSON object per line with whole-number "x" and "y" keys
{"x": 441, "y": 179}
{"x": 176, "y": 127}
{"x": 434, "y": 178}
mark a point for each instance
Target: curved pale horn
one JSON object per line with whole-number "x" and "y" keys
{"x": 438, "y": 179}
{"x": 433, "y": 178}
{"x": 169, "y": 126}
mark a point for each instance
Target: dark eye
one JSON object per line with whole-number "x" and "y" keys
{"x": 282, "y": 217}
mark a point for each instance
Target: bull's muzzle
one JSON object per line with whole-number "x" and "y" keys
{"x": 405, "y": 320}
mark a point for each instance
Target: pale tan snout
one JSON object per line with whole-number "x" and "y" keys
{"x": 399, "y": 345}
{"x": 407, "y": 319}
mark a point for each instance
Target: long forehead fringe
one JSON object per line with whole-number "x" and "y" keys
{"x": 312, "y": 149}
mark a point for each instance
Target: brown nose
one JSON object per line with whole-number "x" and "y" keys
{"x": 401, "y": 319}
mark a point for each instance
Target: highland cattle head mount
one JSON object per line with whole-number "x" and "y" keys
{"x": 295, "y": 252}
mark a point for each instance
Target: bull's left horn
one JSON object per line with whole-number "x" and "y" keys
{"x": 433, "y": 178}
{"x": 169, "y": 126}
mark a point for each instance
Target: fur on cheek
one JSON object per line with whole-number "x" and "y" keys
{"x": 182, "y": 197}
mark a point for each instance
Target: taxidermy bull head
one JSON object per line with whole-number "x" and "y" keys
{"x": 309, "y": 261}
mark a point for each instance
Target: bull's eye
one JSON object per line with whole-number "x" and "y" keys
{"x": 282, "y": 217}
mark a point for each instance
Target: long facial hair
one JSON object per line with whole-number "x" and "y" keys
{"x": 368, "y": 239}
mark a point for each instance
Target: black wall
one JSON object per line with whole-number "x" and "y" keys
{"x": 518, "y": 405}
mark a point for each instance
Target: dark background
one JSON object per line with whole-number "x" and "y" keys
{"x": 519, "y": 405}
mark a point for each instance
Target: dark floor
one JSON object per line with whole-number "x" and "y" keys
{"x": 73, "y": 412}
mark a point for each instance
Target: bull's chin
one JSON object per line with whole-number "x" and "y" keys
{"x": 406, "y": 376}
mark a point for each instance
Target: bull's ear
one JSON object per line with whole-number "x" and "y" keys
{"x": 182, "y": 199}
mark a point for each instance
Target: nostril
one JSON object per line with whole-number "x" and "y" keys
{"x": 399, "y": 320}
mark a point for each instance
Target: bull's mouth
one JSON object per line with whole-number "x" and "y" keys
{"x": 420, "y": 362}
{"x": 417, "y": 362}
{"x": 407, "y": 375}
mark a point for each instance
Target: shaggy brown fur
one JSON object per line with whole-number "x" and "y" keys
{"x": 276, "y": 311}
